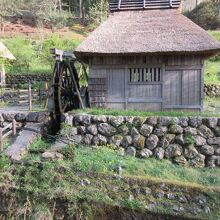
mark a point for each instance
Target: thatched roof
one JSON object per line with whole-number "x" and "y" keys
{"x": 147, "y": 32}
{"x": 5, "y": 53}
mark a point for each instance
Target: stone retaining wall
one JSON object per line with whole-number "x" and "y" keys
{"x": 26, "y": 78}
{"x": 25, "y": 117}
{"x": 212, "y": 90}
{"x": 193, "y": 141}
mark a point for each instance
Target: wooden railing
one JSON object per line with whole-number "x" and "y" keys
{"x": 25, "y": 97}
{"x": 6, "y": 131}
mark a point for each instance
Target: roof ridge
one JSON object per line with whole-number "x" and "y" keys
{"x": 120, "y": 5}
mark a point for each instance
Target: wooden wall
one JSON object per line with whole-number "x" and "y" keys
{"x": 152, "y": 83}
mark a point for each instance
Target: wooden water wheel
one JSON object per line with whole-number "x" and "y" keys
{"x": 67, "y": 93}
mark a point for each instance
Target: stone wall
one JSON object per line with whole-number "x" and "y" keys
{"x": 212, "y": 90}
{"x": 25, "y": 117}
{"x": 26, "y": 78}
{"x": 193, "y": 141}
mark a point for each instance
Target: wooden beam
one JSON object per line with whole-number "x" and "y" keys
{"x": 171, "y": 3}
{"x": 76, "y": 86}
{"x": 14, "y": 127}
{"x": 1, "y": 140}
{"x": 182, "y": 106}
{"x": 29, "y": 97}
{"x": 178, "y": 68}
{"x": 119, "y": 4}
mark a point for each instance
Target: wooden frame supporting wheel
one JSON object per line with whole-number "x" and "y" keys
{"x": 67, "y": 93}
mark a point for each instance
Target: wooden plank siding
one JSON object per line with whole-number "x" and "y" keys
{"x": 150, "y": 83}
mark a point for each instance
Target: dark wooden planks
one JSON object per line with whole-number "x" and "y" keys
{"x": 98, "y": 92}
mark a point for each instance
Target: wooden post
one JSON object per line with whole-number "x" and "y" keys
{"x": 1, "y": 90}
{"x": 46, "y": 89}
{"x": 29, "y": 97}
{"x": 14, "y": 127}
{"x": 76, "y": 86}
{"x": 1, "y": 141}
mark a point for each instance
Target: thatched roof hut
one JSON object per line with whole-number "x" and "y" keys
{"x": 147, "y": 32}
{"x": 154, "y": 51}
{"x": 5, "y": 53}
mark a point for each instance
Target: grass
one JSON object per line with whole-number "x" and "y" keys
{"x": 212, "y": 66}
{"x": 35, "y": 57}
{"x": 115, "y": 112}
{"x": 40, "y": 144}
{"x": 215, "y": 101}
{"x": 106, "y": 160}
{"x": 212, "y": 72}
{"x": 45, "y": 184}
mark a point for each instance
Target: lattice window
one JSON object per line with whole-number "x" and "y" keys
{"x": 142, "y": 75}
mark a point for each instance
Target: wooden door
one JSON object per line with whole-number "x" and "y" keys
{"x": 172, "y": 90}
{"x": 116, "y": 88}
{"x": 182, "y": 89}
{"x": 191, "y": 87}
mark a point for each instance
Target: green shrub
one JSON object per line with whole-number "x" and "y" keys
{"x": 69, "y": 152}
{"x": 4, "y": 163}
{"x": 212, "y": 72}
{"x": 34, "y": 56}
{"x": 98, "y": 13}
{"x": 216, "y": 35}
{"x": 206, "y": 15}
{"x": 23, "y": 50}
{"x": 67, "y": 44}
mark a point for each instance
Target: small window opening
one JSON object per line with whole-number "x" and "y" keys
{"x": 148, "y": 74}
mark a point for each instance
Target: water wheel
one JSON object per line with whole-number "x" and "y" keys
{"x": 66, "y": 88}
{"x": 67, "y": 92}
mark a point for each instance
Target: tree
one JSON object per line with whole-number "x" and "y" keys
{"x": 98, "y": 12}
{"x": 80, "y": 8}
{"x": 46, "y": 10}
{"x": 206, "y": 15}
{"x": 7, "y": 8}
